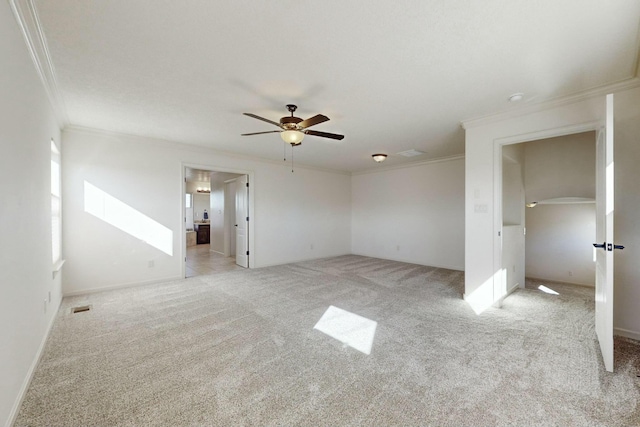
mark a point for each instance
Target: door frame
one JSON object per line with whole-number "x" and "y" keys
{"x": 183, "y": 191}
{"x": 498, "y": 280}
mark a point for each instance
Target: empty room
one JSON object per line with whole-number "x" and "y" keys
{"x": 444, "y": 231}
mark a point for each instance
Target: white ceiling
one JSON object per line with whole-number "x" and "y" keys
{"x": 392, "y": 76}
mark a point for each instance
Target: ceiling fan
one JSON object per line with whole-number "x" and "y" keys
{"x": 293, "y": 129}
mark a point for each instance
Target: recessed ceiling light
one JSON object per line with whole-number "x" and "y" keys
{"x": 516, "y": 97}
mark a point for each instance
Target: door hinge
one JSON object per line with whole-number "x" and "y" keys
{"x": 247, "y": 184}
{"x": 247, "y": 218}
{"x": 247, "y": 252}
{"x": 185, "y": 259}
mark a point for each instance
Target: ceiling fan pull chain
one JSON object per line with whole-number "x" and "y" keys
{"x": 291, "y": 158}
{"x": 284, "y": 151}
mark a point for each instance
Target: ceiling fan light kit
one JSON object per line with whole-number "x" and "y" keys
{"x": 379, "y": 157}
{"x": 294, "y": 128}
{"x": 293, "y": 137}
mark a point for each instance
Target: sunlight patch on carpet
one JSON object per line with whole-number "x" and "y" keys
{"x": 544, "y": 289}
{"x": 355, "y": 331}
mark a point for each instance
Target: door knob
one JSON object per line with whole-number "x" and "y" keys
{"x": 608, "y": 246}
{"x": 236, "y": 225}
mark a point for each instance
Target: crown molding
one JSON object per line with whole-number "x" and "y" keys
{"x": 552, "y": 103}
{"x": 29, "y": 23}
{"x": 410, "y": 165}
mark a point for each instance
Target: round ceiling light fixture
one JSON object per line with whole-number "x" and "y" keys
{"x": 516, "y": 97}
{"x": 292, "y": 136}
{"x": 379, "y": 157}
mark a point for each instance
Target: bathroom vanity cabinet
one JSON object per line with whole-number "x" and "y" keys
{"x": 203, "y": 232}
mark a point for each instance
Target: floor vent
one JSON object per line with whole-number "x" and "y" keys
{"x": 80, "y": 309}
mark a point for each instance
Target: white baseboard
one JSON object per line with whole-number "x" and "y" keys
{"x": 36, "y": 360}
{"x": 627, "y": 333}
{"x": 121, "y": 286}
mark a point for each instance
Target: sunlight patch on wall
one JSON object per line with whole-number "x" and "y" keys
{"x": 355, "y": 331}
{"x": 122, "y": 216}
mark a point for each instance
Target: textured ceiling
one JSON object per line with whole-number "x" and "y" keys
{"x": 392, "y": 76}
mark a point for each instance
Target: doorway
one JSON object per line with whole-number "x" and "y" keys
{"x": 209, "y": 199}
{"x": 548, "y": 212}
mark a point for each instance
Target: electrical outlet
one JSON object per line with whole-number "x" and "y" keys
{"x": 311, "y": 246}
{"x": 151, "y": 264}
{"x": 49, "y": 296}
{"x": 570, "y": 273}
{"x": 45, "y": 306}
{"x": 397, "y": 247}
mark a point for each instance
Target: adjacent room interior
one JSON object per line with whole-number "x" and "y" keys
{"x": 548, "y": 199}
{"x": 211, "y": 222}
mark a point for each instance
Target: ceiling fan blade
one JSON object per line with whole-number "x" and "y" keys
{"x": 324, "y": 134}
{"x": 260, "y": 133}
{"x": 312, "y": 121}
{"x": 262, "y": 118}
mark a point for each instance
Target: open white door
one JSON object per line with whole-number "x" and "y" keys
{"x": 242, "y": 221}
{"x": 604, "y": 238}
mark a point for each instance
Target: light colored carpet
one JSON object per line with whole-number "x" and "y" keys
{"x": 239, "y": 348}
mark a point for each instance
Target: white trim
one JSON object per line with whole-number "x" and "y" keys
{"x": 634, "y": 335}
{"x": 552, "y": 103}
{"x": 29, "y": 23}
{"x": 32, "y": 369}
{"x": 122, "y": 286}
{"x": 550, "y": 133}
{"x": 562, "y": 282}
{"x": 409, "y": 165}
{"x": 57, "y": 267}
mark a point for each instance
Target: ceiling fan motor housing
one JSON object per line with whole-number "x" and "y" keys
{"x": 290, "y": 123}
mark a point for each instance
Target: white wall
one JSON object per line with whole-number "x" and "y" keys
{"x": 201, "y": 202}
{"x": 413, "y": 214}
{"x": 627, "y": 218}
{"x": 513, "y": 256}
{"x": 217, "y": 211}
{"x": 27, "y": 124}
{"x": 513, "y": 248}
{"x": 559, "y": 243}
{"x": 561, "y": 167}
{"x": 230, "y": 218}
{"x": 559, "y": 237}
{"x": 481, "y": 240}
{"x": 292, "y": 211}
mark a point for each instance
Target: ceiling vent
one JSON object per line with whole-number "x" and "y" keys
{"x": 411, "y": 153}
